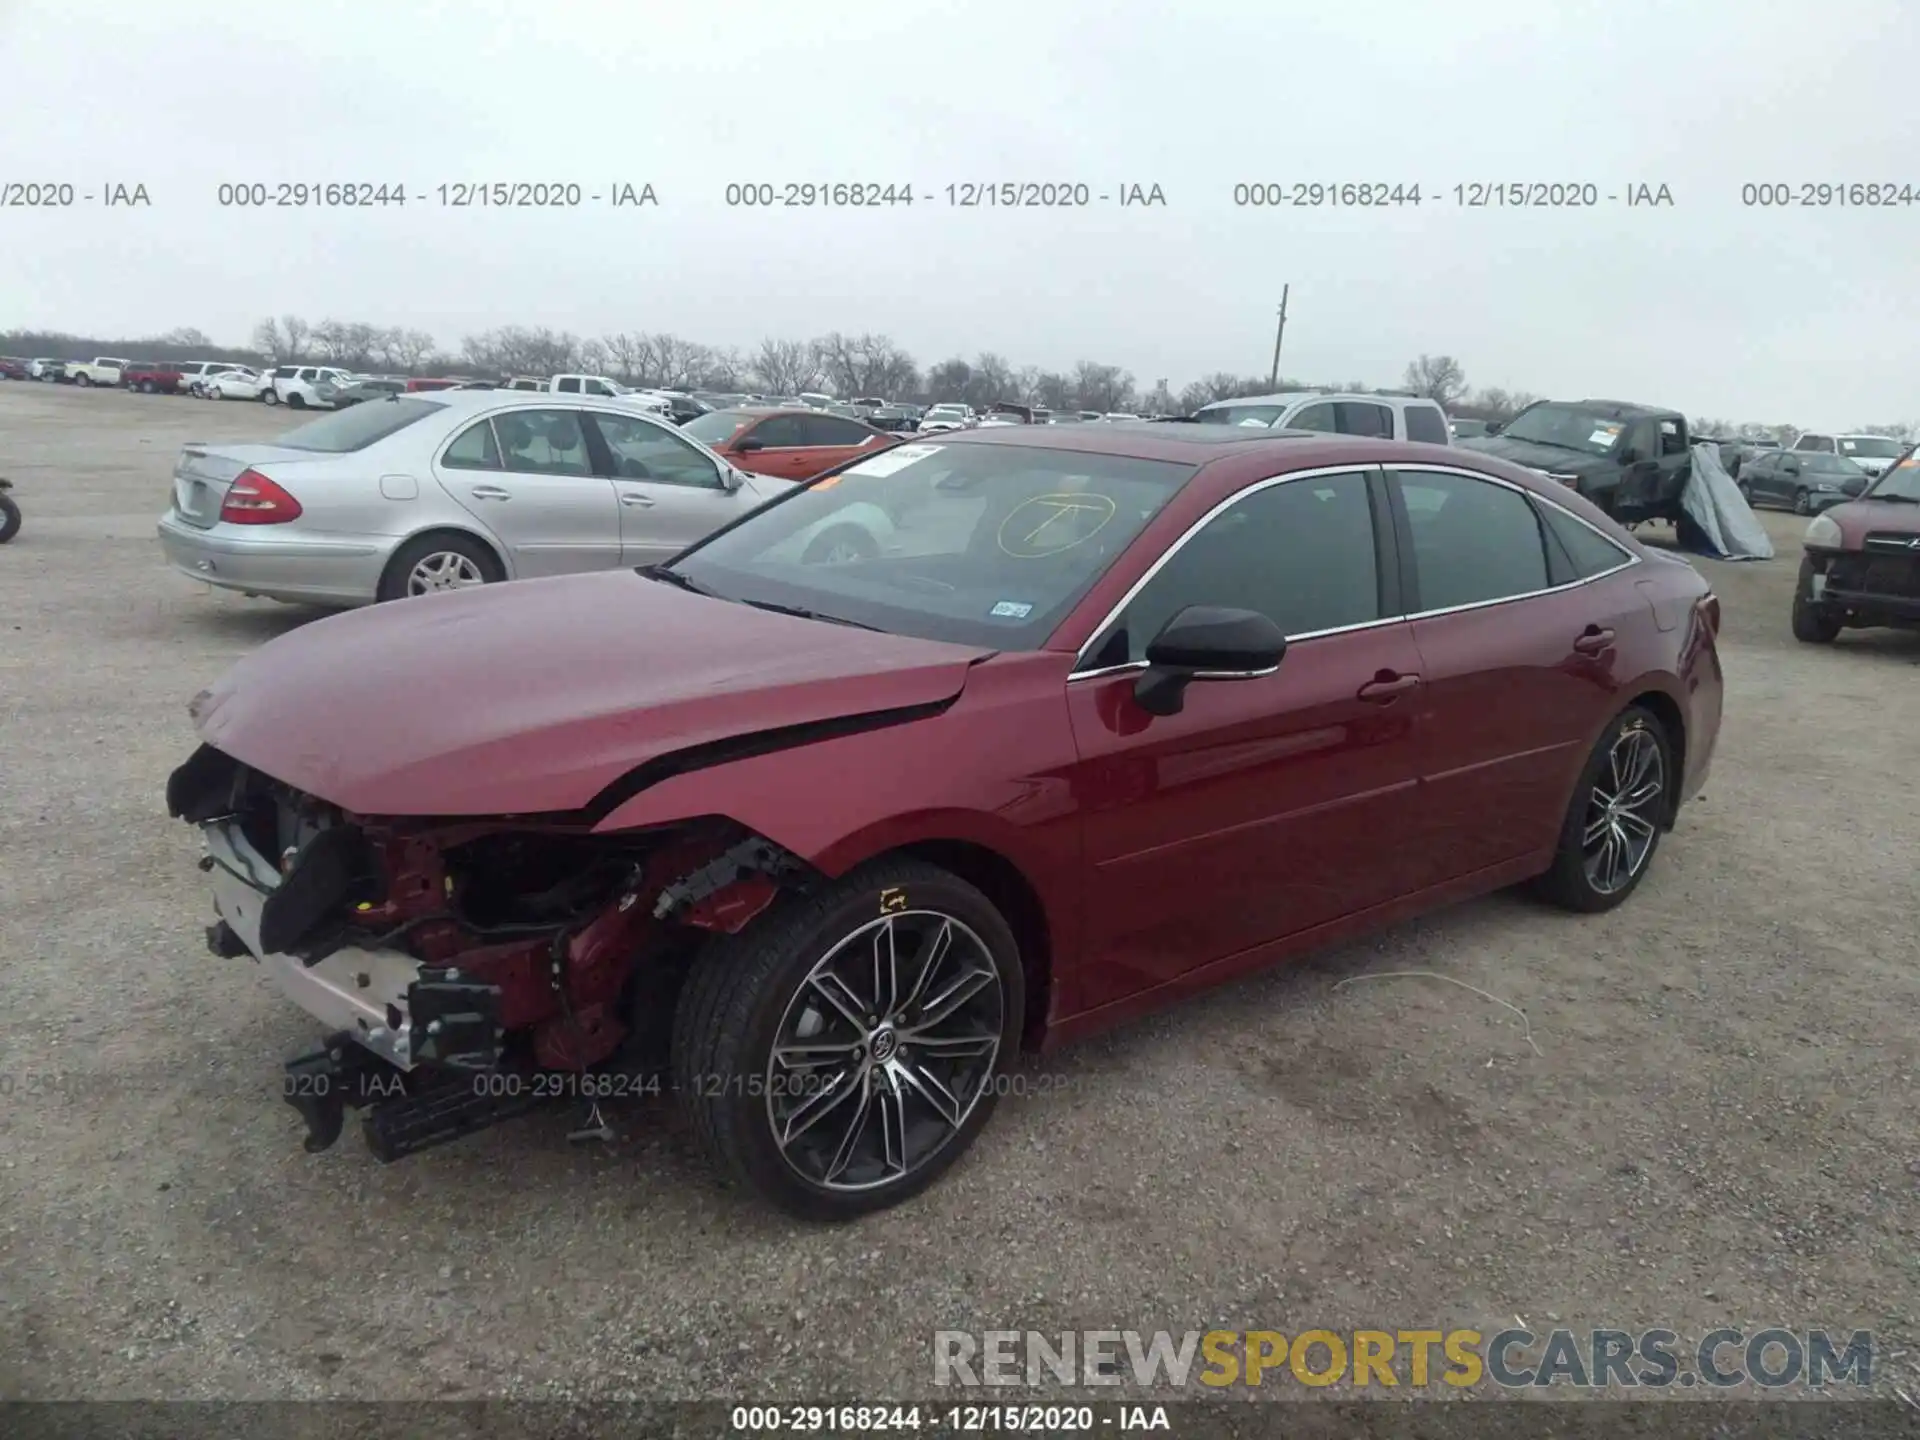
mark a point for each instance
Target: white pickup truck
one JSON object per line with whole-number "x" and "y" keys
{"x": 101, "y": 370}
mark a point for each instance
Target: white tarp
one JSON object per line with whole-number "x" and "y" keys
{"x": 1728, "y": 526}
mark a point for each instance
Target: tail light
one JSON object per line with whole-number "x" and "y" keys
{"x": 253, "y": 499}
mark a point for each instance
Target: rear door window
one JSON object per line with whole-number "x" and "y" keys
{"x": 1474, "y": 542}
{"x": 1315, "y": 417}
{"x": 1353, "y": 417}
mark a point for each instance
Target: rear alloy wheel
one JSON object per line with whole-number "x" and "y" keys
{"x": 1802, "y": 503}
{"x": 1813, "y": 623}
{"x": 840, "y": 545}
{"x": 85, "y": 382}
{"x": 1620, "y": 807}
{"x": 439, "y": 562}
{"x": 844, "y": 1050}
{"x": 270, "y": 395}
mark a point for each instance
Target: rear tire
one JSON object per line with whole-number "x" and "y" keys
{"x": 889, "y": 1088}
{"x": 840, "y": 545}
{"x": 1802, "y": 503}
{"x": 443, "y": 560}
{"x": 1616, "y": 816}
{"x": 1812, "y": 623}
{"x": 270, "y": 395}
{"x": 296, "y": 401}
{"x": 85, "y": 382}
{"x": 9, "y": 519}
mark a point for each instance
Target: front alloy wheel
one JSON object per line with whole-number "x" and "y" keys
{"x": 885, "y": 1049}
{"x": 841, "y": 1052}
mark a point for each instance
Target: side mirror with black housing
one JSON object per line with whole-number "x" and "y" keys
{"x": 749, "y": 445}
{"x": 1206, "y": 642}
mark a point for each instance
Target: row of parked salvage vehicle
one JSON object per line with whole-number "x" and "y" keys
{"x": 708, "y": 849}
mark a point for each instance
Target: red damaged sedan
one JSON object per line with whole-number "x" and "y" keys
{"x": 1109, "y": 714}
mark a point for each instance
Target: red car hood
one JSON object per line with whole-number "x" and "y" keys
{"x": 1882, "y": 517}
{"x": 533, "y": 696}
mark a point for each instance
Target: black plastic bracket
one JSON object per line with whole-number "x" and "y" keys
{"x": 453, "y": 1023}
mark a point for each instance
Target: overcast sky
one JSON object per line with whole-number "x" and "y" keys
{"x": 1789, "y": 315}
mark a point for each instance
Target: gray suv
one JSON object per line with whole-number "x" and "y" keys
{"x": 1387, "y": 417}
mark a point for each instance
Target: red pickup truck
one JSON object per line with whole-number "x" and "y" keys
{"x": 154, "y": 377}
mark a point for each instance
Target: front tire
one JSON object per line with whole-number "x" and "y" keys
{"x": 846, "y": 1049}
{"x": 1622, "y": 803}
{"x": 296, "y": 401}
{"x": 1802, "y": 503}
{"x": 9, "y": 519}
{"x": 1812, "y": 623}
{"x": 85, "y": 382}
{"x": 270, "y": 395}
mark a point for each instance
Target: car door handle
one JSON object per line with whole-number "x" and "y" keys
{"x": 491, "y": 492}
{"x": 1593, "y": 640}
{"x": 1386, "y": 687}
{"x": 634, "y": 497}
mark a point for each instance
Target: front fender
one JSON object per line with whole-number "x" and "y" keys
{"x": 994, "y": 770}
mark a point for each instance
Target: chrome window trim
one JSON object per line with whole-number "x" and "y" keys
{"x": 1100, "y": 630}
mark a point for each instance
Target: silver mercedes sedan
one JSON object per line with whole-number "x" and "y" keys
{"x": 435, "y": 491}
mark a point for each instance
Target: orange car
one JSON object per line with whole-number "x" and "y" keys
{"x": 791, "y": 444}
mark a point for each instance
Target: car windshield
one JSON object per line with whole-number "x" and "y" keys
{"x": 1567, "y": 427}
{"x": 1902, "y": 482}
{"x": 976, "y": 544}
{"x": 1249, "y": 415}
{"x": 716, "y": 427}
{"x": 1869, "y": 447}
{"x": 355, "y": 428}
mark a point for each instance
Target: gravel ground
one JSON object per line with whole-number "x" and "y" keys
{"x": 1718, "y": 1129}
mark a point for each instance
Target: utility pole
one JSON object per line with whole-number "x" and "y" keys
{"x": 1278, "y": 335}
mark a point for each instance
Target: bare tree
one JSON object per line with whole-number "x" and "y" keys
{"x": 865, "y": 364}
{"x": 411, "y": 348}
{"x": 1053, "y": 390}
{"x": 1902, "y": 431}
{"x": 786, "y": 367}
{"x": 269, "y": 339}
{"x": 1438, "y": 377}
{"x": 1102, "y": 387}
{"x": 726, "y": 370}
{"x": 949, "y": 380}
{"x": 624, "y": 353}
{"x": 670, "y": 361}
{"x": 295, "y": 332}
{"x": 992, "y": 381}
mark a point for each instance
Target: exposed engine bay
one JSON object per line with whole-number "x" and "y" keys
{"x": 445, "y": 954}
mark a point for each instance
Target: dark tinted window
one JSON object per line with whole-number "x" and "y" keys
{"x": 778, "y": 432}
{"x": 1591, "y": 552}
{"x": 832, "y": 430}
{"x": 1426, "y": 424}
{"x": 1355, "y": 418}
{"x": 543, "y": 442}
{"x": 474, "y": 449}
{"x": 355, "y": 428}
{"x": 1301, "y": 553}
{"x": 1314, "y": 417}
{"x": 1473, "y": 540}
{"x": 568, "y": 386}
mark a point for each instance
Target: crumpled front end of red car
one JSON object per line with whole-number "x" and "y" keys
{"x": 465, "y": 969}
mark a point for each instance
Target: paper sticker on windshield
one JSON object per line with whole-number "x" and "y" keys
{"x": 1011, "y": 610}
{"x": 1604, "y": 435}
{"x": 897, "y": 458}
{"x": 1256, "y": 424}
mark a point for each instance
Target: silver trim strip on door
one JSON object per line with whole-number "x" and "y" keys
{"x": 1100, "y": 631}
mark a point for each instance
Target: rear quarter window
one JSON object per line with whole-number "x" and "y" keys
{"x": 340, "y": 432}
{"x": 1426, "y": 424}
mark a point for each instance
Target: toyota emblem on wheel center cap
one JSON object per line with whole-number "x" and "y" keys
{"x": 884, "y": 1043}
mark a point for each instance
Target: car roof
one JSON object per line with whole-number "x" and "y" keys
{"x": 761, "y": 412}
{"x": 459, "y": 401}
{"x": 1198, "y": 444}
{"x": 1289, "y": 397}
{"x": 1618, "y": 409}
